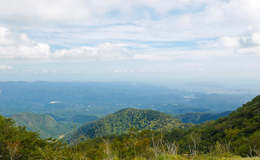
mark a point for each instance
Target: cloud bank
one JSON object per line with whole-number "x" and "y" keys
{"x": 248, "y": 42}
{"x": 21, "y": 46}
{"x": 103, "y": 51}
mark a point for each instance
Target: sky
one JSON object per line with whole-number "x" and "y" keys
{"x": 160, "y": 41}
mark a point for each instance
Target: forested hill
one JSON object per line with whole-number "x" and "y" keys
{"x": 46, "y": 124}
{"x": 239, "y": 131}
{"x": 197, "y": 117}
{"x": 124, "y": 119}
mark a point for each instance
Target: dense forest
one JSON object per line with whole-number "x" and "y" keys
{"x": 52, "y": 126}
{"x": 231, "y": 137}
{"x": 119, "y": 123}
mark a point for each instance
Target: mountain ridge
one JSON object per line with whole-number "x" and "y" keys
{"x": 124, "y": 119}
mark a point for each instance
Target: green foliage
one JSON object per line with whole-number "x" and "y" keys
{"x": 142, "y": 145}
{"x": 119, "y": 123}
{"x": 238, "y": 133}
{"x": 17, "y": 143}
{"x": 145, "y": 144}
{"x": 45, "y": 124}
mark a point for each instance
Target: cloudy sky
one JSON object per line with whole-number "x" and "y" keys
{"x": 129, "y": 40}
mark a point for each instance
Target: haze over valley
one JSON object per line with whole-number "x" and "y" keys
{"x": 75, "y": 103}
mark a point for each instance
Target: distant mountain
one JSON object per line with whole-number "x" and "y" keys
{"x": 81, "y": 118}
{"x": 41, "y": 97}
{"x": 46, "y": 124}
{"x": 12, "y": 106}
{"x": 197, "y": 117}
{"x": 90, "y": 92}
{"x": 124, "y": 119}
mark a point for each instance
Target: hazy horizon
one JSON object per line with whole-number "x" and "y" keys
{"x": 231, "y": 87}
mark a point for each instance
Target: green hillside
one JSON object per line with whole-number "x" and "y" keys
{"x": 46, "y": 124}
{"x": 238, "y": 132}
{"x": 122, "y": 120}
{"x": 197, "y": 117}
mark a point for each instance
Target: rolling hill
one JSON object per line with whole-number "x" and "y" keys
{"x": 122, "y": 120}
{"x": 46, "y": 124}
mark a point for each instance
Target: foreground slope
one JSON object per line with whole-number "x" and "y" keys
{"x": 46, "y": 124}
{"x": 124, "y": 119}
{"x": 239, "y": 132}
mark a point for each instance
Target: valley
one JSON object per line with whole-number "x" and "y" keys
{"x": 129, "y": 119}
{"x": 73, "y": 104}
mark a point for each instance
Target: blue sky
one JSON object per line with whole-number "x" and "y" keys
{"x": 137, "y": 40}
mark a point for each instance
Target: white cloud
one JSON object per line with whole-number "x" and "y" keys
{"x": 103, "y": 51}
{"x": 132, "y": 24}
{"x": 214, "y": 11}
{"x": 195, "y": 19}
{"x": 256, "y": 38}
{"x": 248, "y": 42}
{"x": 250, "y": 37}
{"x": 229, "y": 42}
{"x": 5, "y": 36}
{"x": 58, "y": 10}
{"x": 222, "y": 42}
{"x": 21, "y": 46}
{"x": 5, "y": 67}
{"x": 42, "y": 10}
{"x": 249, "y": 50}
